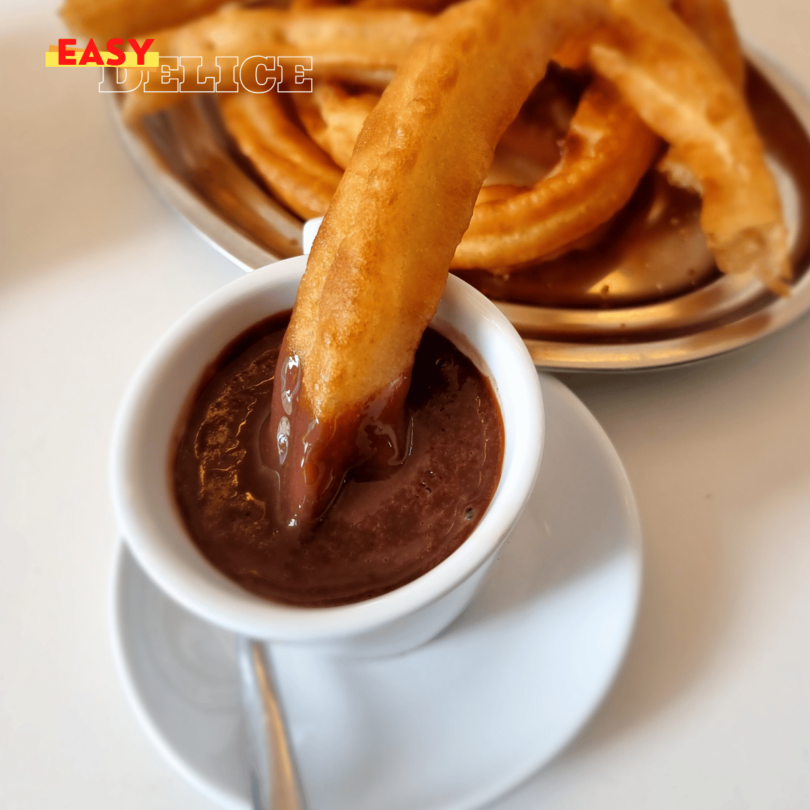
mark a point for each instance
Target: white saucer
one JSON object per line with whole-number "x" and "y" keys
{"x": 453, "y": 724}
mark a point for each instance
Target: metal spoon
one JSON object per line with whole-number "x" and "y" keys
{"x": 274, "y": 780}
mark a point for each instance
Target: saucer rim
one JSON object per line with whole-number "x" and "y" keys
{"x": 124, "y": 667}
{"x": 633, "y": 541}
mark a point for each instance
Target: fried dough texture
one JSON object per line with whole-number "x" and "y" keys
{"x": 606, "y": 152}
{"x": 104, "y": 19}
{"x": 298, "y": 172}
{"x": 675, "y": 84}
{"x": 333, "y": 117}
{"x": 383, "y": 251}
{"x": 711, "y": 21}
{"x": 380, "y": 262}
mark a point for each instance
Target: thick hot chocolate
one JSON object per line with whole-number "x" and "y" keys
{"x": 378, "y": 534}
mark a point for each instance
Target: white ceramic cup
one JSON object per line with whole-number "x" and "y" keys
{"x": 154, "y": 531}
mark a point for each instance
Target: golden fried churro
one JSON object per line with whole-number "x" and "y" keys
{"x": 104, "y": 19}
{"x": 295, "y": 169}
{"x": 430, "y": 6}
{"x": 711, "y": 21}
{"x": 607, "y": 150}
{"x": 380, "y": 261}
{"x": 681, "y": 92}
{"x": 664, "y": 74}
{"x": 333, "y": 117}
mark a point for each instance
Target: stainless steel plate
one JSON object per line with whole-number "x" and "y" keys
{"x": 187, "y": 157}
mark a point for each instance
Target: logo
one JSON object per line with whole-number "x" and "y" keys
{"x": 66, "y": 54}
{"x": 139, "y": 67}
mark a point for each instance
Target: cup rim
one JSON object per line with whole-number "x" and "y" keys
{"x": 218, "y": 599}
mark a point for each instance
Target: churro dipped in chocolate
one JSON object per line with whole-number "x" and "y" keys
{"x": 380, "y": 262}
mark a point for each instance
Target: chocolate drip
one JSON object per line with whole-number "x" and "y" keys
{"x": 312, "y": 457}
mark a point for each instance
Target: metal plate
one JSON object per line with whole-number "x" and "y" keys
{"x": 187, "y": 157}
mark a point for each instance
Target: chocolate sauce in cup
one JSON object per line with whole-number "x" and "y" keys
{"x": 385, "y": 527}
{"x": 161, "y": 399}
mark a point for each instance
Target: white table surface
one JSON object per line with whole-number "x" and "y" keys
{"x": 712, "y": 708}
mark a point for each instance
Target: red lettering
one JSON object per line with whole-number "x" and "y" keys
{"x": 141, "y": 50}
{"x": 91, "y": 55}
{"x": 114, "y": 47}
{"x": 66, "y": 56}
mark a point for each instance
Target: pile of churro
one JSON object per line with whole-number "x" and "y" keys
{"x": 410, "y": 102}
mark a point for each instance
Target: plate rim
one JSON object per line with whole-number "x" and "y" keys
{"x": 600, "y": 355}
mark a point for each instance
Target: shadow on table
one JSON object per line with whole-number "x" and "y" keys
{"x": 713, "y": 451}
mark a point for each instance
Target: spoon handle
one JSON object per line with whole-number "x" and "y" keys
{"x": 274, "y": 780}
